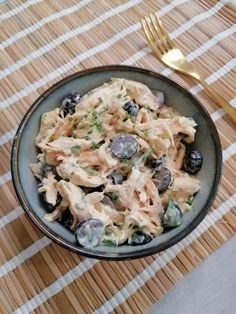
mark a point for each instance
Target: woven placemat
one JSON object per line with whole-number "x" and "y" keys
{"x": 43, "y": 41}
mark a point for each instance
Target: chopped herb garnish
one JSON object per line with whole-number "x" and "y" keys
{"x": 119, "y": 95}
{"x": 67, "y": 179}
{"x": 96, "y": 122}
{"x": 190, "y": 200}
{"x": 91, "y": 170}
{"x": 114, "y": 198}
{"x": 99, "y": 126}
{"x": 127, "y": 116}
{"x": 95, "y": 114}
{"x": 108, "y": 232}
{"x": 90, "y": 131}
{"x": 146, "y": 133}
{"x": 95, "y": 145}
{"x": 92, "y": 124}
{"x": 109, "y": 242}
{"x": 75, "y": 149}
{"x": 51, "y": 138}
{"x": 100, "y": 99}
{"x": 127, "y": 162}
{"x": 87, "y": 137}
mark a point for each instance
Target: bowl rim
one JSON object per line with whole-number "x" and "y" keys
{"x": 107, "y": 255}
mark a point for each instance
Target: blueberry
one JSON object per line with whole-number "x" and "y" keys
{"x": 192, "y": 161}
{"x": 66, "y": 219}
{"x": 156, "y": 164}
{"x": 140, "y": 238}
{"x": 124, "y": 146}
{"x": 116, "y": 177}
{"x": 172, "y": 215}
{"x": 89, "y": 232}
{"x": 69, "y": 102}
{"x": 162, "y": 179}
{"x": 131, "y": 107}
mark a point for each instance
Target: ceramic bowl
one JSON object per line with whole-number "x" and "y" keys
{"x": 24, "y": 152}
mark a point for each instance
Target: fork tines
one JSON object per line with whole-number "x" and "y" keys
{"x": 157, "y": 37}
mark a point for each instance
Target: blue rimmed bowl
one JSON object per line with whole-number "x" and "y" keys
{"x": 24, "y": 152}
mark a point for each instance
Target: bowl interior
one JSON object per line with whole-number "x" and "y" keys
{"x": 207, "y": 141}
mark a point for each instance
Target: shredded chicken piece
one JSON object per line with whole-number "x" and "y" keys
{"x": 184, "y": 186}
{"x": 50, "y": 189}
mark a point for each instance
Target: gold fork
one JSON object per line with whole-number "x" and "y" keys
{"x": 165, "y": 49}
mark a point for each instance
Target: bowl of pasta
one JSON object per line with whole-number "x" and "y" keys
{"x": 116, "y": 162}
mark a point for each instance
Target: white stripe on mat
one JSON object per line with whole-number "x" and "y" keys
{"x": 198, "y": 18}
{"x": 69, "y": 65}
{"x": 216, "y": 75}
{"x": 219, "y": 113}
{"x": 31, "y": 250}
{"x": 16, "y": 36}
{"x": 25, "y": 254}
{"x": 57, "y": 286}
{"x": 165, "y": 258}
{"x": 142, "y": 53}
{"x": 5, "y": 178}
{"x": 18, "y": 9}
{"x": 14, "y": 214}
{"x": 84, "y": 28}
{"x": 192, "y": 55}
{"x": 7, "y": 137}
{"x": 140, "y": 279}
{"x": 233, "y": 102}
{"x": 35, "y": 54}
{"x": 229, "y": 152}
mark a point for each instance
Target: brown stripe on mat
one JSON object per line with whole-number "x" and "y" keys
{"x": 8, "y": 199}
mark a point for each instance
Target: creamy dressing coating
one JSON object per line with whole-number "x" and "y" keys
{"x": 79, "y": 146}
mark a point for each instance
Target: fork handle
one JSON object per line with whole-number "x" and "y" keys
{"x": 220, "y": 100}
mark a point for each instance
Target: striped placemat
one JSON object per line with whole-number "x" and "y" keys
{"x": 43, "y": 41}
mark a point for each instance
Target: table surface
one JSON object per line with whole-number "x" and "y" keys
{"x": 208, "y": 289}
{"x": 40, "y": 43}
